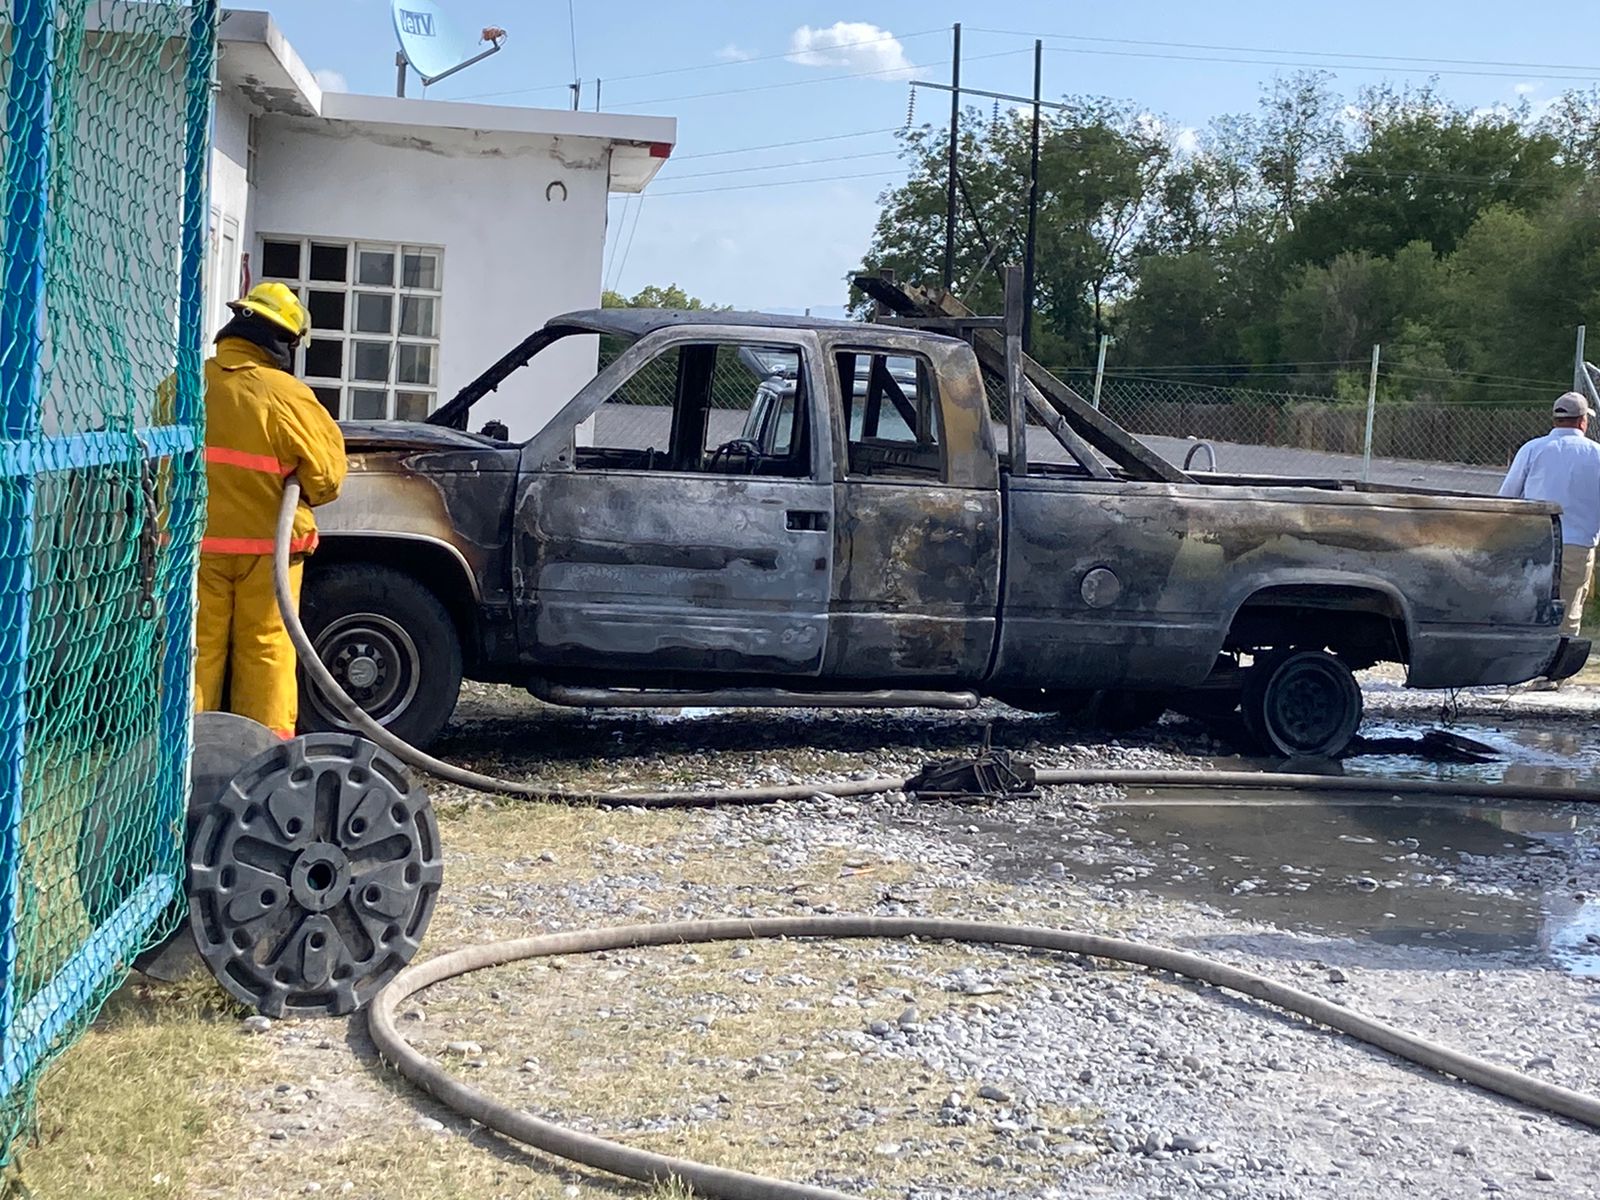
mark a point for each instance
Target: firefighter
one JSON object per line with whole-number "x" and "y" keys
{"x": 262, "y": 424}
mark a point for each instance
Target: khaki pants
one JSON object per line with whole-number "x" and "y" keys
{"x": 1577, "y": 571}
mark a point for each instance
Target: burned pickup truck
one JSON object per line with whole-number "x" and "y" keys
{"x": 750, "y": 510}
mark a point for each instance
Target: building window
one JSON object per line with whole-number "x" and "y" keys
{"x": 373, "y": 350}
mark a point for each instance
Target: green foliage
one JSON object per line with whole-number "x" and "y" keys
{"x": 1101, "y": 169}
{"x": 1424, "y": 172}
{"x": 1283, "y": 241}
{"x": 654, "y": 296}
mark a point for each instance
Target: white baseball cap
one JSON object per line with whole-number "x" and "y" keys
{"x": 1571, "y": 405}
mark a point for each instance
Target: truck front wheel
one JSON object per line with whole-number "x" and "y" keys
{"x": 1301, "y": 704}
{"x": 391, "y": 645}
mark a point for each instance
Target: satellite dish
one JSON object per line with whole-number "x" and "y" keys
{"x": 431, "y": 46}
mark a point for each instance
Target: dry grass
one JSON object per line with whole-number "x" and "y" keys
{"x": 166, "y": 1098}
{"x": 121, "y": 1113}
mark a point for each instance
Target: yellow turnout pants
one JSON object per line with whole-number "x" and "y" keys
{"x": 239, "y": 627}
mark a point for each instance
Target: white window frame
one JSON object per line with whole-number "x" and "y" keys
{"x": 341, "y": 389}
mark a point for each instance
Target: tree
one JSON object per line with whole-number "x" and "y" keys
{"x": 1335, "y": 313}
{"x": 1179, "y": 315}
{"x": 654, "y": 296}
{"x": 1423, "y": 172}
{"x": 1296, "y": 140}
{"x": 1100, "y": 169}
{"x": 1574, "y": 121}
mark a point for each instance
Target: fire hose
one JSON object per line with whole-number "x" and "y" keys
{"x": 606, "y": 1155}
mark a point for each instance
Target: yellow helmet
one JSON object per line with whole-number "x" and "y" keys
{"x": 277, "y": 304}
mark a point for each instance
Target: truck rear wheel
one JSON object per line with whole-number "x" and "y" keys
{"x": 1301, "y": 704}
{"x": 391, "y": 645}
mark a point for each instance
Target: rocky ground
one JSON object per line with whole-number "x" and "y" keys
{"x": 924, "y": 1070}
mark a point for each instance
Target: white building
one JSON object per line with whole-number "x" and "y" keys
{"x": 427, "y": 238}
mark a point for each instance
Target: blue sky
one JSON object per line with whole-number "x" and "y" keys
{"x": 765, "y": 241}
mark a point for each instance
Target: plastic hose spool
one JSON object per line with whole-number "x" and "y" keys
{"x": 223, "y": 744}
{"x": 313, "y": 876}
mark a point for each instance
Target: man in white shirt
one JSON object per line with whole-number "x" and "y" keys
{"x": 1563, "y": 467}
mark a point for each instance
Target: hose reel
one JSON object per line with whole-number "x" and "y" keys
{"x": 313, "y": 868}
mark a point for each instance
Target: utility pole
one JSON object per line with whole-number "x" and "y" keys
{"x": 950, "y": 182}
{"x": 1372, "y": 405}
{"x": 1033, "y": 203}
{"x": 1100, "y": 369}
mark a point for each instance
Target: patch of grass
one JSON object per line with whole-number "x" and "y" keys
{"x": 120, "y": 1112}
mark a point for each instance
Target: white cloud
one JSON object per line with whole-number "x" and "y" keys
{"x": 854, "y": 45}
{"x": 1188, "y": 139}
{"x": 1526, "y": 89}
{"x": 330, "y": 80}
{"x": 733, "y": 53}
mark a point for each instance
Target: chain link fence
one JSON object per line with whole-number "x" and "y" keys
{"x": 639, "y": 416}
{"x": 1236, "y": 429}
{"x": 107, "y": 120}
{"x": 1455, "y": 445}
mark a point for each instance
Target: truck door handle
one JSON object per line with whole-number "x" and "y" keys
{"x": 812, "y": 520}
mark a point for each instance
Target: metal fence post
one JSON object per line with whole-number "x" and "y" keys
{"x": 188, "y": 417}
{"x": 27, "y": 177}
{"x": 1100, "y": 370}
{"x": 1016, "y": 404}
{"x": 1372, "y": 405}
{"x": 1580, "y": 377}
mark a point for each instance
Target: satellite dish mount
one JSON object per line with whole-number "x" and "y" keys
{"x": 431, "y": 47}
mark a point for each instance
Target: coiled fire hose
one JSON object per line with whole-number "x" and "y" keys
{"x": 606, "y": 1155}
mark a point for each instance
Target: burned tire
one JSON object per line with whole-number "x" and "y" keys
{"x": 391, "y": 645}
{"x": 1301, "y": 704}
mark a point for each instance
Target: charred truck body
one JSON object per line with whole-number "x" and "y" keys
{"x": 853, "y": 536}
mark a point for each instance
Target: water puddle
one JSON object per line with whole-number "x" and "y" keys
{"x": 1514, "y": 879}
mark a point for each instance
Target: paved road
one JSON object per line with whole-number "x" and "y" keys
{"x": 640, "y": 426}
{"x": 1286, "y": 460}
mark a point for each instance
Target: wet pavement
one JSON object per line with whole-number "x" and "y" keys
{"x": 1519, "y": 881}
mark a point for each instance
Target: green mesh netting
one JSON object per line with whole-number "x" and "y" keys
{"x": 106, "y": 131}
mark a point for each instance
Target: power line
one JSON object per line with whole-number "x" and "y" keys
{"x": 1329, "y": 362}
{"x": 834, "y": 137}
{"x": 1392, "y": 58}
{"x": 1512, "y": 387}
{"x": 767, "y": 87}
{"x": 738, "y": 62}
{"x": 611, "y": 257}
{"x": 1319, "y": 65}
{"x": 788, "y": 165}
{"x": 626, "y": 250}
{"x": 1436, "y": 176}
{"x": 743, "y": 187}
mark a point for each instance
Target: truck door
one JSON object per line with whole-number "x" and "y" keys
{"x": 675, "y": 542}
{"x": 916, "y": 519}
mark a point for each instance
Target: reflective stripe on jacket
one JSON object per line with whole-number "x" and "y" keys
{"x": 262, "y": 424}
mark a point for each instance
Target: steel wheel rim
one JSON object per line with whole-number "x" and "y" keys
{"x": 1306, "y": 706}
{"x": 376, "y": 662}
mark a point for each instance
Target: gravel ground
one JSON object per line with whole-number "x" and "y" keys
{"x": 926, "y": 1071}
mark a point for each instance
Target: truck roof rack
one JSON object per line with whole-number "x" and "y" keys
{"x": 1078, "y": 420}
